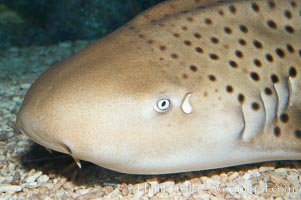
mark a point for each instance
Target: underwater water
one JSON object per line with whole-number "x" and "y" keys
{"x": 35, "y": 34}
{"x": 44, "y": 22}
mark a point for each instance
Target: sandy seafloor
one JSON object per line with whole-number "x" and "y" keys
{"x": 28, "y": 171}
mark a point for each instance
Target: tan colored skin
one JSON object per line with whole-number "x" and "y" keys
{"x": 98, "y": 104}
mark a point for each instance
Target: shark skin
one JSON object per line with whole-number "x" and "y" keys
{"x": 187, "y": 85}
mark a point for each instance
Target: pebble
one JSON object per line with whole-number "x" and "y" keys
{"x": 10, "y": 188}
{"x": 43, "y": 179}
{"x": 33, "y": 177}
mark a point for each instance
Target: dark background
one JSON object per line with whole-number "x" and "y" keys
{"x": 45, "y": 22}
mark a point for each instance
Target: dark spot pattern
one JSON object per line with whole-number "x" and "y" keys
{"x": 280, "y": 53}
{"x": 229, "y": 88}
{"x": 233, "y": 64}
{"x": 292, "y": 72}
{"x": 174, "y": 55}
{"x": 298, "y": 134}
{"x": 241, "y": 98}
{"x": 199, "y": 50}
{"x": 193, "y": 68}
{"x": 232, "y": 9}
{"x": 197, "y": 35}
{"x": 242, "y": 42}
{"x": 208, "y": 21}
{"x": 271, "y": 4}
{"x": 268, "y": 91}
{"x": 254, "y": 76}
{"x": 289, "y": 29}
{"x": 228, "y": 30}
{"x": 255, "y": 7}
{"x": 187, "y": 42}
{"x": 290, "y": 48}
{"x": 284, "y": 118}
{"x": 272, "y": 24}
{"x": 277, "y": 131}
{"x": 212, "y": 77}
{"x": 214, "y": 40}
{"x": 239, "y": 54}
{"x": 269, "y": 58}
{"x": 255, "y": 106}
{"x": 257, "y": 62}
{"x": 274, "y": 78}
{"x": 243, "y": 28}
{"x": 213, "y": 56}
{"x": 257, "y": 44}
{"x": 287, "y": 14}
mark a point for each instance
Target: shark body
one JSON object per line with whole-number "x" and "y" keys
{"x": 187, "y": 85}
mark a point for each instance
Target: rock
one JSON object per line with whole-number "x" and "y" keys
{"x": 10, "y": 188}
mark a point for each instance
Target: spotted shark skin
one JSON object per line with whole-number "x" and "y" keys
{"x": 187, "y": 85}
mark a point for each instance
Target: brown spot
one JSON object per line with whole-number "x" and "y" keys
{"x": 255, "y": 7}
{"x": 277, "y": 131}
{"x": 284, "y": 118}
{"x": 150, "y": 41}
{"x": 271, "y": 24}
{"x": 214, "y": 40}
{"x": 185, "y": 76}
{"x": 242, "y": 42}
{"x": 174, "y": 55}
{"x": 269, "y": 57}
{"x": 162, "y": 48}
{"x": 199, "y": 50}
{"x": 232, "y": 9}
{"x": 228, "y": 30}
{"x": 243, "y": 28}
{"x": 293, "y": 4}
{"x": 190, "y": 19}
{"x": 254, "y": 76}
{"x": 205, "y": 94}
{"x": 280, "y": 53}
{"x": 141, "y": 36}
{"x": 184, "y": 28}
{"x": 287, "y": 14}
{"x": 187, "y": 42}
{"x": 193, "y": 68}
{"x": 257, "y": 44}
{"x": 289, "y": 29}
{"x": 229, "y": 88}
{"x": 292, "y": 72}
{"x": 233, "y": 64}
{"x": 290, "y": 48}
{"x": 213, "y": 56}
{"x": 268, "y": 91}
{"x": 220, "y": 12}
{"x": 208, "y": 21}
{"x": 176, "y": 34}
{"x": 300, "y": 50}
{"x": 197, "y": 35}
{"x": 239, "y": 54}
{"x": 257, "y": 62}
{"x": 274, "y": 78}
{"x": 241, "y": 98}
{"x": 255, "y": 106}
{"x": 298, "y": 134}
{"x": 212, "y": 77}
{"x": 271, "y": 4}
{"x": 161, "y": 59}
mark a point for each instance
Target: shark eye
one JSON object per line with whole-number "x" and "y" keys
{"x": 162, "y": 105}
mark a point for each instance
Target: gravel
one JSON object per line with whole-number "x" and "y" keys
{"x": 28, "y": 171}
